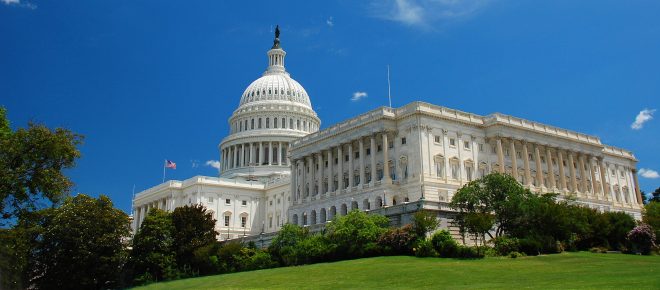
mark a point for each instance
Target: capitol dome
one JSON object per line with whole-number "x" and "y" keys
{"x": 273, "y": 111}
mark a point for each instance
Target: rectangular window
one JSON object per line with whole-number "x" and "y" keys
{"x": 326, "y": 164}
{"x": 345, "y": 157}
{"x": 210, "y": 199}
{"x": 403, "y": 141}
{"x": 454, "y": 171}
{"x": 481, "y": 147}
{"x": 380, "y": 148}
{"x": 270, "y": 222}
{"x": 357, "y": 154}
{"x": 466, "y": 145}
{"x": 368, "y": 151}
{"x": 390, "y": 144}
{"x": 226, "y": 221}
{"x": 436, "y": 139}
{"x": 243, "y": 221}
{"x": 468, "y": 172}
{"x": 270, "y": 202}
{"x": 228, "y": 201}
{"x": 452, "y": 142}
{"x": 243, "y": 202}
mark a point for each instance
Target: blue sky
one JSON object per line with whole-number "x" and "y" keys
{"x": 146, "y": 81}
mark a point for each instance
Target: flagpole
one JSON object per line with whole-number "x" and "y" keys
{"x": 164, "y": 170}
{"x": 389, "y": 96}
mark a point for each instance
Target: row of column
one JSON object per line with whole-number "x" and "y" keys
{"x": 141, "y": 212}
{"x": 254, "y": 154}
{"x": 576, "y": 161}
{"x": 309, "y": 172}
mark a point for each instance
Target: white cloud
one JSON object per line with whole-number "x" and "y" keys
{"x": 213, "y": 163}
{"x": 648, "y": 173}
{"x": 358, "y": 96}
{"x": 643, "y": 117}
{"x": 194, "y": 163}
{"x": 18, "y": 3}
{"x": 330, "y": 22}
{"x": 423, "y": 13}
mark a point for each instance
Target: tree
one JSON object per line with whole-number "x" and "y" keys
{"x": 152, "y": 256}
{"x": 284, "y": 246}
{"x": 497, "y": 197}
{"x": 83, "y": 245}
{"x": 356, "y": 234}
{"x": 31, "y": 164}
{"x": 423, "y": 222}
{"x": 651, "y": 217}
{"x": 645, "y": 199}
{"x": 194, "y": 227}
{"x": 656, "y": 195}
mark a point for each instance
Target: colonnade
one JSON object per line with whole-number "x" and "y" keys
{"x": 140, "y": 212}
{"x": 331, "y": 170}
{"x": 587, "y": 175}
{"x": 255, "y": 154}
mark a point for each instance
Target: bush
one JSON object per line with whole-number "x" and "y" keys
{"x": 514, "y": 255}
{"x": 356, "y": 234}
{"x": 642, "y": 239}
{"x": 444, "y": 244}
{"x": 466, "y": 252}
{"x": 397, "y": 241}
{"x": 423, "y": 222}
{"x": 530, "y": 246}
{"x": 424, "y": 248}
{"x": 505, "y": 245}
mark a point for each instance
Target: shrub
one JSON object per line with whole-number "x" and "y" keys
{"x": 397, "y": 241}
{"x": 423, "y": 222}
{"x": 514, "y": 255}
{"x": 620, "y": 224}
{"x": 530, "y": 246}
{"x": 466, "y": 252}
{"x": 505, "y": 245}
{"x": 651, "y": 217}
{"x": 315, "y": 248}
{"x": 642, "y": 239}
{"x": 445, "y": 244}
{"x": 356, "y": 234}
{"x": 424, "y": 248}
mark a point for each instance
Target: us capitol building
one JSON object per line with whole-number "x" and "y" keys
{"x": 278, "y": 167}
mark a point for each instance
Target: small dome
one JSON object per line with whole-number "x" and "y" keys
{"x": 275, "y": 87}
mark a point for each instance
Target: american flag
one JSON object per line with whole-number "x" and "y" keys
{"x": 170, "y": 164}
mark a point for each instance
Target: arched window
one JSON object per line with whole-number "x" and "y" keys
{"x": 275, "y": 123}
{"x": 344, "y": 209}
{"x": 439, "y": 162}
{"x": 313, "y": 217}
{"x": 267, "y": 123}
{"x": 259, "y": 123}
{"x": 323, "y": 216}
{"x": 252, "y": 123}
{"x": 291, "y": 123}
{"x": 283, "y": 123}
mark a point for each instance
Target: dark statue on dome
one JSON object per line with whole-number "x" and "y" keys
{"x": 276, "y": 42}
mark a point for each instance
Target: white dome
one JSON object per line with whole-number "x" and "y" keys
{"x": 276, "y": 86}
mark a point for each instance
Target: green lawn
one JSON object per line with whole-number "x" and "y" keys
{"x": 567, "y": 270}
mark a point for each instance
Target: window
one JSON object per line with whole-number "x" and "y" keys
{"x": 243, "y": 202}
{"x": 390, "y": 144}
{"x": 357, "y": 154}
{"x": 252, "y": 124}
{"x": 267, "y": 123}
{"x": 210, "y": 199}
{"x": 291, "y": 123}
{"x": 243, "y": 221}
{"x": 346, "y": 157}
{"x": 270, "y": 202}
{"x": 518, "y": 154}
{"x": 275, "y": 123}
{"x": 542, "y": 159}
{"x": 270, "y": 222}
{"x": 379, "y": 148}
{"x": 530, "y": 156}
{"x": 466, "y": 145}
{"x": 481, "y": 147}
{"x": 403, "y": 141}
{"x": 436, "y": 139}
{"x": 228, "y": 201}
{"x": 368, "y": 151}
{"x": 336, "y": 160}
{"x": 259, "y": 123}
{"x": 452, "y": 142}
{"x": 283, "y": 123}
{"x": 454, "y": 170}
{"x": 226, "y": 220}
{"x": 439, "y": 167}
{"x": 468, "y": 172}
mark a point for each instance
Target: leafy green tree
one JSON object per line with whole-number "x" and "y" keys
{"x": 194, "y": 227}
{"x": 655, "y": 195}
{"x": 497, "y": 196}
{"x": 152, "y": 256}
{"x": 424, "y": 221}
{"x": 284, "y": 246}
{"x": 83, "y": 245}
{"x": 356, "y": 234}
{"x": 31, "y": 165}
{"x": 651, "y": 217}
{"x": 620, "y": 224}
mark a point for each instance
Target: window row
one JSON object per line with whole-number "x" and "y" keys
{"x": 305, "y": 125}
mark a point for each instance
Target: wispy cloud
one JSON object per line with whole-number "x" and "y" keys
{"x": 643, "y": 117}
{"x": 18, "y": 3}
{"x": 194, "y": 163}
{"x": 358, "y": 96}
{"x": 330, "y": 22}
{"x": 213, "y": 163}
{"x": 424, "y": 13}
{"x": 648, "y": 173}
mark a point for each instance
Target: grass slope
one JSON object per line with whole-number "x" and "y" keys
{"x": 567, "y": 270}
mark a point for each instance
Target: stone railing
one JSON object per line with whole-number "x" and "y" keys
{"x": 541, "y": 128}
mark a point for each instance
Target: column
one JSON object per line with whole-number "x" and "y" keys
{"x": 294, "y": 181}
{"x": 303, "y": 179}
{"x": 562, "y": 175}
{"x": 251, "y": 154}
{"x": 386, "y": 158}
{"x": 373, "y": 158}
{"x": 261, "y": 153}
{"x": 319, "y": 157}
{"x": 234, "y": 156}
{"x": 637, "y": 191}
{"x": 583, "y": 174}
{"x": 310, "y": 176}
{"x": 500, "y": 155}
{"x": 539, "y": 169}
{"x": 331, "y": 161}
{"x": 528, "y": 174}
{"x": 593, "y": 177}
{"x": 340, "y": 168}
{"x": 603, "y": 186}
{"x": 571, "y": 166}
{"x": 222, "y": 159}
{"x": 279, "y": 153}
{"x": 361, "y": 150}
{"x": 551, "y": 169}
{"x": 350, "y": 166}
{"x": 241, "y": 162}
{"x": 270, "y": 153}
{"x": 514, "y": 159}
